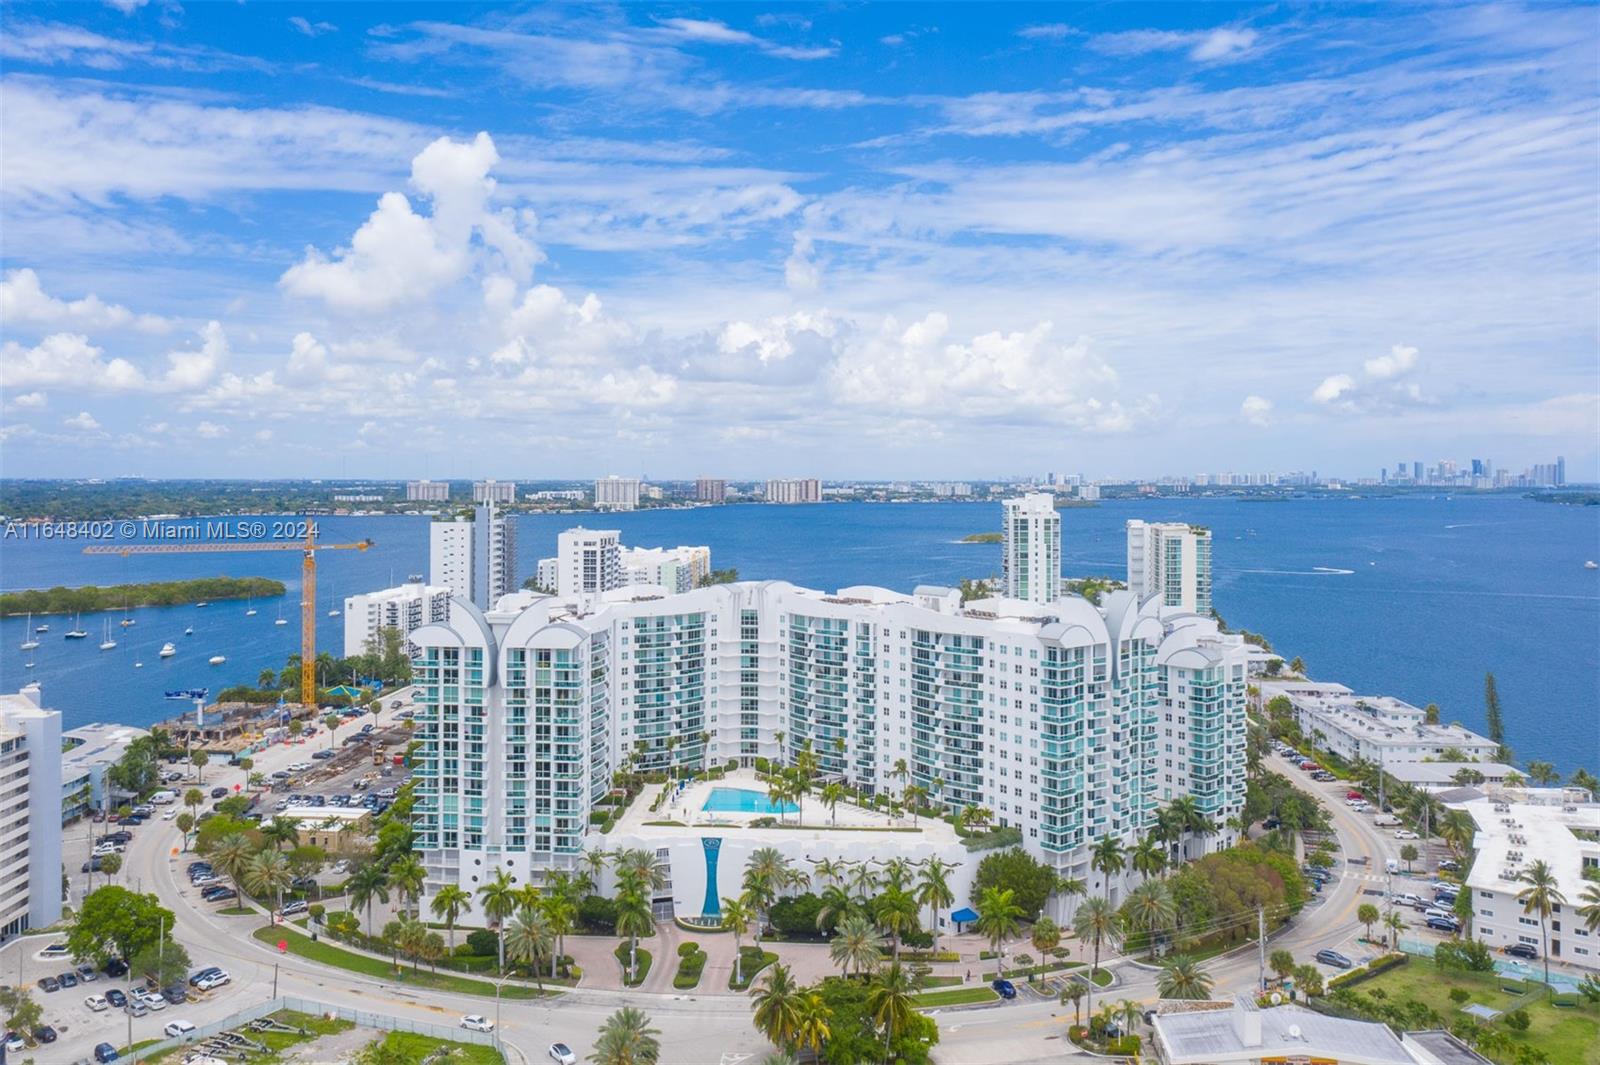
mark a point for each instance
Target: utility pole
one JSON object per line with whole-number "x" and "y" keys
{"x": 1261, "y": 951}
{"x": 274, "y": 980}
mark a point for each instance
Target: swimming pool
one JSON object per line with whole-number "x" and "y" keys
{"x": 741, "y": 801}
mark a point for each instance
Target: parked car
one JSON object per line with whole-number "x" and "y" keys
{"x": 87, "y": 974}
{"x": 1449, "y": 865}
{"x": 114, "y": 967}
{"x": 562, "y": 1054}
{"x": 219, "y": 792}
{"x": 1354, "y": 795}
{"x": 200, "y": 974}
{"x": 68, "y": 979}
{"x": 292, "y": 908}
{"x": 211, "y": 980}
{"x": 474, "y": 1022}
{"x": 14, "y": 1042}
{"x": 1335, "y": 959}
{"x": 136, "y": 1008}
{"x": 1443, "y": 924}
{"x": 104, "y": 1052}
{"x": 44, "y": 1034}
{"x": 175, "y": 994}
{"x": 281, "y": 774}
{"x": 1406, "y": 833}
{"x": 1005, "y": 988}
{"x": 322, "y": 756}
{"x": 179, "y": 1029}
{"x": 116, "y": 998}
{"x": 1523, "y": 950}
{"x": 97, "y": 1003}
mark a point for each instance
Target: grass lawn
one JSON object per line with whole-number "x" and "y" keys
{"x": 941, "y": 981}
{"x": 643, "y": 964}
{"x": 960, "y": 996}
{"x": 1567, "y": 1035}
{"x": 1101, "y": 977}
{"x": 1036, "y": 970}
{"x": 235, "y": 911}
{"x": 411, "y": 1047}
{"x": 328, "y": 954}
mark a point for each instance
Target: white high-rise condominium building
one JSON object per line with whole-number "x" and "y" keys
{"x": 616, "y": 493}
{"x": 794, "y": 490}
{"x": 1031, "y": 555}
{"x": 475, "y": 559}
{"x": 547, "y": 576}
{"x": 427, "y": 491}
{"x": 1069, "y": 721}
{"x": 588, "y": 562}
{"x": 405, "y": 608}
{"x": 494, "y": 491}
{"x": 30, "y": 814}
{"x": 1171, "y": 560}
{"x": 677, "y": 569}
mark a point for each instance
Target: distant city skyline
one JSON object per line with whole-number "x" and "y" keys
{"x": 834, "y": 242}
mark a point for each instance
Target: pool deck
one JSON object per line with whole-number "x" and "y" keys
{"x": 817, "y": 820}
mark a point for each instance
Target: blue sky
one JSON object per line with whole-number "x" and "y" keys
{"x": 280, "y": 239}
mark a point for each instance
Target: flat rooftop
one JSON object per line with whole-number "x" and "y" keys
{"x": 98, "y": 744}
{"x": 1513, "y": 835}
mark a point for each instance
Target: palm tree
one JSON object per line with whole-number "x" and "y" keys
{"x": 812, "y": 1015}
{"x": 498, "y": 899}
{"x": 933, "y": 891}
{"x": 528, "y": 940}
{"x": 829, "y": 870}
{"x": 912, "y": 795}
{"x": 777, "y": 1006}
{"x": 1148, "y": 858}
{"x": 832, "y": 796}
{"x": 1281, "y": 962}
{"x": 1395, "y": 924}
{"x": 1073, "y": 993}
{"x": 998, "y": 916}
{"x": 836, "y": 904}
{"x": 1590, "y": 910}
{"x": 736, "y": 917}
{"x": 1457, "y": 829}
{"x": 231, "y": 856}
{"x": 1068, "y": 887}
{"x": 1107, "y": 859}
{"x": 863, "y": 880}
{"x": 634, "y": 919}
{"x": 1096, "y": 923}
{"x": 1543, "y": 773}
{"x": 268, "y": 874}
{"x": 856, "y": 945}
{"x": 627, "y": 1039}
{"x": 1130, "y": 1013}
{"x": 1182, "y": 977}
{"x": 1368, "y": 915}
{"x": 1045, "y": 936}
{"x": 448, "y": 904}
{"x": 1582, "y": 778}
{"x": 407, "y": 876}
{"x": 1541, "y": 896}
{"x": 366, "y": 884}
{"x": 896, "y": 911}
{"x": 889, "y": 1000}
{"x": 1150, "y": 909}
{"x": 765, "y": 873}
{"x": 560, "y": 914}
{"x": 594, "y": 863}
{"x": 192, "y": 798}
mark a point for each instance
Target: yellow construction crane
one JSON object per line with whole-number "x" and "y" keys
{"x": 308, "y": 587}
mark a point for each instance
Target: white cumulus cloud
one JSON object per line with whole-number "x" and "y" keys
{"x": 1257, "y": 410}
{"x": 23, "y": 301}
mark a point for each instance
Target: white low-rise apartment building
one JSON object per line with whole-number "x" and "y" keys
{"x": 677, "y": 569}
{"x": 30, "y": 814}
{"x": 1374, "y": 728}
{"x": 407, "y": 608}
{"x": 88, "y": 752}
{"x": 591, "y": 562}
{"x": 1516, "y": 827}
{"x": 1068, "y": 721}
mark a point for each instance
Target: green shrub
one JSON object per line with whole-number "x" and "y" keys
{"x": 1459, "y": 995}
{"x": 598, "y": 914}
{"x": 1127, "y": 1046}
{"x": 482, "y": 941}
{"x": 1517, "y": 1020}
{"x": 688, "y": 948}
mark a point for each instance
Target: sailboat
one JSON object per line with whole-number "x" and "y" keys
{"x": 188, "y": 630}
{"x": 281, "y": 619}
{"x": 77, "y": 631}
{"x": 251, "y": 612}
{"x": 109, "y": 643}
{"x": 29, "y": 644}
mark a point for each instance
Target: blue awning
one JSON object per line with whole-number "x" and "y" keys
{"x": 965, "y": 915}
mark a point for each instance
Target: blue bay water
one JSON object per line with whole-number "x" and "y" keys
{"x": 1413, "y": 597}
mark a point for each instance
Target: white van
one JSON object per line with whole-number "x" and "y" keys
{"x": 1386, "y": 820}
{"x": 1393, "y": 865}
{"x": 164, "y": 798}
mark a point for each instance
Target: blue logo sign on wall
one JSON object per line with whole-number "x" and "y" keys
{"x": 711, "y": 908}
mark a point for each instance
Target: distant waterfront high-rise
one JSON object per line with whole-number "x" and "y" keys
{"x": 494, "y": 491}
{"x": 1171, "y": 561}
{"x": 616, "y": 493}
{"x": 427, "y": 491}
{"x": 710, "y": 490}
{"x": 1031, "y": 555}
{"x": 794, "y": 490}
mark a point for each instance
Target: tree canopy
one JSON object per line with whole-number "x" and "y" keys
{"x": 1029, "y": 880}
{"x": 114, "y": 921}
